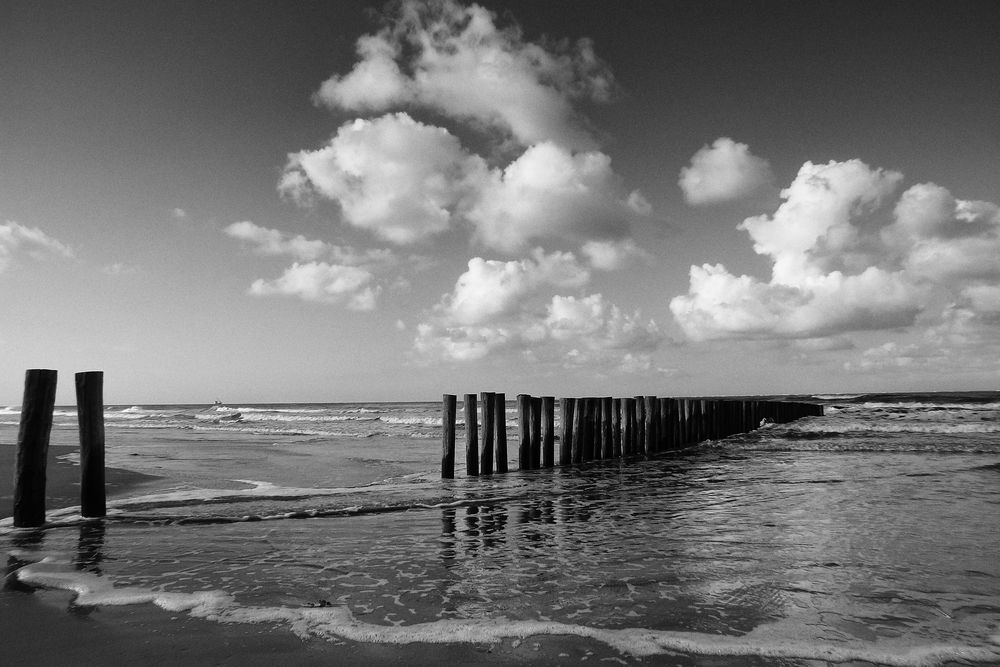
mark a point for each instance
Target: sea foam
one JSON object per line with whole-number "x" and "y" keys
{"x": 773, "y": 640}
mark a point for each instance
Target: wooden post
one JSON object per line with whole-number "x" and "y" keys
{"x": 489, "y": 415}
{"x": 90, "y": 416}
{"x": 566, "y": 410}
{"x": 523, "y": 427}
{"x": 448, "y": 403}
{"x": 640, "y": 425}
{"x": 471, "y": 437}
{"x": 579, "y": 429}
{"x": 592, "y": 451}
{"x": 607, "y": 431}
{"x": 536, "y": 432}
{"x": 649, "y": 424}
{"x": 628, "y": 426}
{"x": 664, "y": 428}
{"x": 500, "y": 423}
{"x": 33, "y": 447}
{"x": 548, "y": 431}
{"x": 616, "y": 427}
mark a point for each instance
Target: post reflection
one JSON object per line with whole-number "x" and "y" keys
{"x": 90, "y": 547}
{"x": 23, "y": 542}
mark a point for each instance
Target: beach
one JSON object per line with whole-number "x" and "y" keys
{"x": 322, "y": 533}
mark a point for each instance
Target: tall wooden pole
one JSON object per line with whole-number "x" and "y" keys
{"x": 616, "y": 427}
{"x": 607, "y": 431}
{"x": 566, "y": 410}
{"x": 500, "y": 419}
{"x": 579, "y": 430}
{"x": 489, "y": 415}
{"x": 471, "y": 437}
{"x": 548, "y": 431}
{"x": 523, "y": 431}
{"x": 90, "y": 416}
{"x": 448, "y": 403}
{"x": 536, "y": 432}
{"x": 33, "y": 447}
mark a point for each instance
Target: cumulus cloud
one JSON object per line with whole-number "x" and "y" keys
{"x": 17, "y": 239}
{"x": 406, "y": 181}
{"x": 725, "y": 171}
{"x": 324, "y": 283}
{"x": 274, "y": 242}
{"x": 394, "y": 176}
{"x": 549, "y": 192}
{"x": 612, "y": 255}
{"x": 323, "y": 272}
{"x": 848, "y": 255}
{"x": 501, "y": 306}
{"x": 458, "y": 61}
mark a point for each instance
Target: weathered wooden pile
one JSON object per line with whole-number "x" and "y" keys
{"x": 594, "y": 429}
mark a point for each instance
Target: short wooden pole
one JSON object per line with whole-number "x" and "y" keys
{"x": 664, "y": 428}
{"x": 607, "y": 430}
{"x": 590, "y": 451}
{"x": 616, "y": 427}
{"x": 489, "y": 415}
{"x": 548, "y": 431}
{"x": 579, "y": 429}
{"x": 448, "y": 404}
{"x": 628, "y": 426}
{"x": 90, "y": 416}
{"x": 566, "y": 410}
{"x": 471, "y": 437}
{"x": 640, "y": 425}
{"x": 33, "y": 447}
{"x": 536, "y": 432}
{"x": 649, "y": 427}
{"x": 500, "y": 419}
{"x": 523, "y": 431}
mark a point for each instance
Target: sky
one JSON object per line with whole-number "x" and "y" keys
{"x": 352, "y": 201}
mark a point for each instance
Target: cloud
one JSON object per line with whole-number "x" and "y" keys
{"x": 499, "y": 307}
{"x": 847, "y": 257}
{"x": 274, "y": 242}
{"x": 323, "y": 272}
{"x": 457, "y": 61}
{"x": 179, "y": 214}
{"x": 723, "y": 172}
{"x": 491, "y": 288}
{"x": 394, "y": 176}
{"x": 16, "y": 239}
{"x": 324, "y": 283}
{"x": 406, "y": 181}
{"x": 612, "y": 255}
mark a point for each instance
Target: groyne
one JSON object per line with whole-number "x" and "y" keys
{"x": 599, "y": 428}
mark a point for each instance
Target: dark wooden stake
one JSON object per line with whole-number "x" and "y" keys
{"x": 471, "y": 437}
{"x": 448, "y": 403}
{"x": 489, "y": 414}
{"x": 548, "y": 431}
{"x": 579, "y": 429}
{"x": 500, "y": 405}
{"x": 536, "y": 432}
{"x": 90, "y": 416}
{"x": 523, "y": 430}
{"x": 33, "y": 447}
{"x": 566, "y": 410}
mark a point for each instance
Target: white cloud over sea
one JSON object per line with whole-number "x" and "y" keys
{"x": 499, "y": 306}
{"x": 850, "y": 253}
{"x": 407, "y": 180}
{"x": 19, "y": 240}
{"x": 723, "y": 172}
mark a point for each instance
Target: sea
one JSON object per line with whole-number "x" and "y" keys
{"x": 869, "y": 535}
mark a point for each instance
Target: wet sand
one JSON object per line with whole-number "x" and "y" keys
{"x": 62, "y": 483}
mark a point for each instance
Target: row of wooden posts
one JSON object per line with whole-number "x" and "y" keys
{"x": 594, "y": 429}
{"x": 33, "y": 445}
